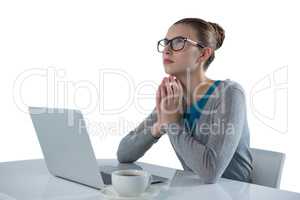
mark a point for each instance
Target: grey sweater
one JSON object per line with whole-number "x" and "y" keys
{"x": 217, "y": 147}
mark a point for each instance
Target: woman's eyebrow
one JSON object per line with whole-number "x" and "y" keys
{"x": 174, "y": 37}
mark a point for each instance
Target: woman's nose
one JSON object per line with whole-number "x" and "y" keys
{"x": 167, "y": 50}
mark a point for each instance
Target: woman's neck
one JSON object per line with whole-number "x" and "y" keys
{"x": 195, "y": 85}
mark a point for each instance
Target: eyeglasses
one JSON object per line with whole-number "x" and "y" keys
{"x": 176, "y": 44}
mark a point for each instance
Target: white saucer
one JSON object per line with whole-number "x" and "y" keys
{"x": 110, "y": 193}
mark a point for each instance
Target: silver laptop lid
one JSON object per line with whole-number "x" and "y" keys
{"x": 65, "y": 144}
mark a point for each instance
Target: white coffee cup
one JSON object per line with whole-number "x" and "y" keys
{"x": 129, "y": 183}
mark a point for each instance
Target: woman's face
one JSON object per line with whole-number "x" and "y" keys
{"x": 183, "y": 59}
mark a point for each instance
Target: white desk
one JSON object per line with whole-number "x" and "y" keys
{"x": 30, "y": 180}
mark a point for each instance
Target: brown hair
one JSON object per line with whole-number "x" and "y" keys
{"x": 209, "y": 34}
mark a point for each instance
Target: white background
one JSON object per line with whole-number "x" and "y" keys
{"x": 46, "y": 46}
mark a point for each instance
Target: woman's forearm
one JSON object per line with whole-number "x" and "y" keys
{"x": 135, "y": 144}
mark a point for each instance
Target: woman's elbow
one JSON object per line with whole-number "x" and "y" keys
{"x": 210, "y": 179}
{"x": 208, "y": 175}
{"x": 124, "y": 157}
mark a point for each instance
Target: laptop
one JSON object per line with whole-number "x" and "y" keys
{"x": 67, "y": 148}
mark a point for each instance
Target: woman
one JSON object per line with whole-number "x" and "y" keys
{"x": 205, "y": 119}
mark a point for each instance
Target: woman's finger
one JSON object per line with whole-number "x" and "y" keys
{"x": 175, "y": 87}
{"x": 160, "y": 95}
{"x": 180, "y": 88}
{"x": 158, "y": 99}
{"x": 180, "y": 95}
{"x": 169, "y": 91}
{"x": 163, "y": 95}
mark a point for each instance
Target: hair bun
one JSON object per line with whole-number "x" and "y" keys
{"x": 220, "y": 34}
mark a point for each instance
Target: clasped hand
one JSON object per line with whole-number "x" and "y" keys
{"x": 169, "y": 103}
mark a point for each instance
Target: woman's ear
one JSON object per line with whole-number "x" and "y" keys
{"x": 205, "y": 53}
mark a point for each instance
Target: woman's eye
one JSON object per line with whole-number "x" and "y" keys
{"x": 178, "y": 42}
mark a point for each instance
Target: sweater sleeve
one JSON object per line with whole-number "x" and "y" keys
{"x": 210, "y": 160}
{"x": 135, "y": 144}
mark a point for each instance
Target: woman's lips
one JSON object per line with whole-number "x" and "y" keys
{"x": 168, "y": 61}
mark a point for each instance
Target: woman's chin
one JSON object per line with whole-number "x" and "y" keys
{"x": 171, "y": 71}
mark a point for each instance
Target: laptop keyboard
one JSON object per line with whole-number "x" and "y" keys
{"x": 106, "y": 178}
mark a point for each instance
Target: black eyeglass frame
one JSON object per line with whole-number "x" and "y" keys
{"x": 178, "y": 37}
